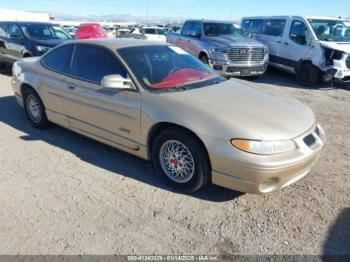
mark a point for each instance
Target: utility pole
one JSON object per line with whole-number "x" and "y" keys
{"x": 147, "y": 11}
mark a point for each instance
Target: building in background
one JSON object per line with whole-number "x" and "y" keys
{"x": 14, "y": 15}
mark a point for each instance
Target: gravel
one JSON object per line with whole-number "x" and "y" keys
{"x": 61, "y": 193}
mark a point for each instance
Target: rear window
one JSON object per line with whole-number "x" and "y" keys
{"x": 58, "y": 59}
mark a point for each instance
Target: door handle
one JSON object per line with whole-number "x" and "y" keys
{"x": 285, "y": 43}
{"x": 71, "y": 87}
{"x": 279, "y": 42}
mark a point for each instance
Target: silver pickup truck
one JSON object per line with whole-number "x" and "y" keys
{"x": 222, "y": 46}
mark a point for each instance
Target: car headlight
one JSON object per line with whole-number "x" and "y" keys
{"x": 220, "y": 50}
{"x": 264, "y": 147}
{"x": 42, "y": 48}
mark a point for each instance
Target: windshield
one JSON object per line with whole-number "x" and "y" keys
{"x": 167, "y": 67}
{"x": 216, "y": 29}
{"x": 45, "y": 31}
{"x": 154, "y": 31}
{"x": 331, "y": 30}
{"x": 237, "y": 32}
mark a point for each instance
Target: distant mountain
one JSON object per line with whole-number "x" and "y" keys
{"x": 113, "y": 18}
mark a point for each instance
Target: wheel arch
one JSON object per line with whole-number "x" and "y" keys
{"x": 302, "y": 62}
{"x": 26, "y": 86}
{"x": 157, "y": 128}
{"x": 26, "y": 54}
{"x": 202, "y": 53}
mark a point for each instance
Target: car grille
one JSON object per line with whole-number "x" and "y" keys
{"x": 347, "y": 61}
{"x": 246, "y": 55}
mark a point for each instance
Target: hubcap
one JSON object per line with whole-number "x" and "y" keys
{"x": 34, "y": 108}
{"x": 176, "y": 161}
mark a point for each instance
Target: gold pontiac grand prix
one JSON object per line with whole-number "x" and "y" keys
{"x": 159, "y": 103}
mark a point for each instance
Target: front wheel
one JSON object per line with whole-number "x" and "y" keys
{"x": 204, "y": 59}
{"x": 181, "y": 159}
{"x": 308, "y": 75}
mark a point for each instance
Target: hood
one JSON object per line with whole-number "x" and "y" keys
{"x": 239, "y": 109}
{"x": 340, "y": 46}
{"x": 228, "y": 41}
{"x": 48, "y": 42}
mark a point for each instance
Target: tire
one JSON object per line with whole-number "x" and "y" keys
{"x": 204, "y": 59}
{"x": 192, "y": 155}
{"x": 34, "y": 108}
{"x": 308, "y": 75}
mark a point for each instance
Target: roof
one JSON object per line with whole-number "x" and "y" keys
{"x": 117, "y": 43}
{"x": 293, "y": 17}
{"x": 152, "y": 27}
{"x": 210, "y": 21}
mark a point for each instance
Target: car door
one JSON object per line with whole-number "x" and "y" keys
{"x": 195, "y": 38}
{"x": 272, "y": 36}
{"x": 3, "y": 38}
{"x": 110, "y": 115}
{"x": 15, "y": 41}
{"x": 52, "y": 81}
{"x": 184, "y": 40}
{"x": 294, "y": 46}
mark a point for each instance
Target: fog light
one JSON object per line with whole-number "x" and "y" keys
{"x": 218, "y": 67}
{"x": 268, "y": 185}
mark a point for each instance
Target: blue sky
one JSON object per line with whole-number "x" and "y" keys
{"x": 214, "y": 9}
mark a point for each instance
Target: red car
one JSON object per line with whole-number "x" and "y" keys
{"x": 90, "y": 30}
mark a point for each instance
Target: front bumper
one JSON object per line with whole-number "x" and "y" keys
{"x": 258, "y": 174}
{"x": 228, "y": 69}
{"x": 338, "y": 72}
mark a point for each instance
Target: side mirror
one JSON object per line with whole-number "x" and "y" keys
{"x": 116, "y": 82}
{"x": 195, "y": 34}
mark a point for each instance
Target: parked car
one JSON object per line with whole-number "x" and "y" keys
{"x": 310, "y": 47}
{"x": 216, "y": 44}
{"x": 119, "y": 33}
{"x": 149, "y": 33}
{"x": 70, "y": 30}
{"x": 26, "y": 39}
{"x": 90, "y": 31}
{"x": 158, "y": 102}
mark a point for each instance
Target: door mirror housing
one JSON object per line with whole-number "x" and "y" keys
{"x": 116, "y": 82}
{"x": 195, "y": 34}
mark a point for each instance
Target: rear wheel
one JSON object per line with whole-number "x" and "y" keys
{"x": 308, "y": 75}
{"x": 34, "y": 109}
{"x": 181, "y": 160}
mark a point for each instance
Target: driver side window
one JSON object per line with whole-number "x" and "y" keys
{"x": 14, "y": 31}
{"x": 92, "y": 63}
{"x": 299, "y": 33}
{"x": 187, "y": 28}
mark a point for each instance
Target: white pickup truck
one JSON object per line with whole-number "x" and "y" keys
{"x": 222, "y": 46}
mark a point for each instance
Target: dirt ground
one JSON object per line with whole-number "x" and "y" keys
{"x": 61, "y": 193}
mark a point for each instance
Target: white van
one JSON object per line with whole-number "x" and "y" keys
{"x": 310, "y": 47}
{"x": 151, "y": 33}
